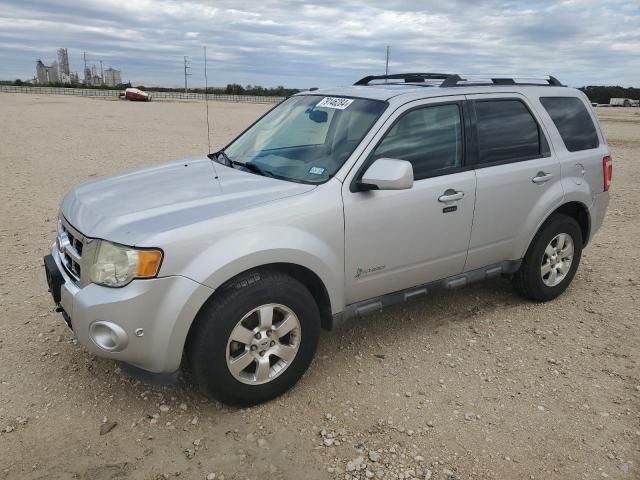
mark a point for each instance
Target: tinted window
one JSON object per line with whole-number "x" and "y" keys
{"x": 506, "y": 131}
{"x": 430, "y": 138}
{"x": 572, "y": 121}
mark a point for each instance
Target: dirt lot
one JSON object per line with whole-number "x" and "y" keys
{"x": 474, "y": 383}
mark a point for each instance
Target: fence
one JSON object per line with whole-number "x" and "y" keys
{"x": 90, "y": 92}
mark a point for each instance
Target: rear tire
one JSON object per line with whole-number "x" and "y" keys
{"x": 255, "y": 339}
{"x": 551, "y": 260}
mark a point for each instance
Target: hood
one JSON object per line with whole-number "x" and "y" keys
{"x": 127, "y": 208}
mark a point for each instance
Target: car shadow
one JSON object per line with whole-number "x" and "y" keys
{"x": 430, "y": 313}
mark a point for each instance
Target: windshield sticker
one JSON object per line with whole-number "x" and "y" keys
{"x": 316, "y": 170}
{"x": 335, "y": 102}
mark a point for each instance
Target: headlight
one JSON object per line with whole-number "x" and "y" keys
{"x": 116, "y": 265}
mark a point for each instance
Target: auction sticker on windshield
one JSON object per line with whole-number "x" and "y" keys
{"x": 335, "y": 102}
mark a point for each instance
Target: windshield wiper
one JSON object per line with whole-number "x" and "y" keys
{"x": 224, "y": 159}
{"x": 253, "y": 167}
{"x": 220, "y": 157}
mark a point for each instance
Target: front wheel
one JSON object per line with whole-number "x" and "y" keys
{"x": 255, "y": 339}
{"x": 551, "y": 260}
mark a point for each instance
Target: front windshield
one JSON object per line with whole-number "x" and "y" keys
{"x": 306, "y": 138}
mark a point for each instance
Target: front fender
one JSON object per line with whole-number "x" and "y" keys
{"x": 263, "y": 245}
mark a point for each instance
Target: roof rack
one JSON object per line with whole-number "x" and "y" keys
{"x": 454, "y": 80}
{"x": 409, "y": 77}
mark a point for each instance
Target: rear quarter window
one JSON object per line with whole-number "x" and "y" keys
{"x": 573, "y": 122}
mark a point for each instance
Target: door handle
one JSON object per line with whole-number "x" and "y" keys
{"x": 542, "y": 177}
{"x": 450, "y": 196}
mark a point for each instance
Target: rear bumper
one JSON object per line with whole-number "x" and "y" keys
{"x": 597, "y": 212}
{"x": 152, "y": 317}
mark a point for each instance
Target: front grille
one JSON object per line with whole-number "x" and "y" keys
{"x": 70, "y": 246}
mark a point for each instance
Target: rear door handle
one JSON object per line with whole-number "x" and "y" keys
{"x": 450, "y": 196}
{"x": 542, "y": 177}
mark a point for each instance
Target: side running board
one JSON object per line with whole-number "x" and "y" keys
{"x": 366, "y": 307}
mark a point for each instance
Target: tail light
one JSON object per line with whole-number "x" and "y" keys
{"x": 607, "y": 171}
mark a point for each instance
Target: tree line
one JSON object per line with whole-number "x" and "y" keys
{"x": 230, "y": 89}
{"x": 602, "y": 94}
{"x": 596, "y": 93}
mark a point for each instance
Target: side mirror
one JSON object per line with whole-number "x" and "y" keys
{"x": 388, "y": 174}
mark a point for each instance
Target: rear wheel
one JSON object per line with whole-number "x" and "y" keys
{"x": 255, "y": 339}
{"x": 551, "y": 260}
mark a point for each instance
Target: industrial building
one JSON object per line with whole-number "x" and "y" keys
{"x": 91, "y": 77}
{"x": 63, "y": 65}
{"x": 57, "y": 72}
{"x": 60, "y": 72}
{"x": 112, "y": 77}
{"x": 46, "y": 74}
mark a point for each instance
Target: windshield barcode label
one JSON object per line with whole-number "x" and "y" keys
{"x": 335, "y": 102}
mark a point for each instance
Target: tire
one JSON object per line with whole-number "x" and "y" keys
{"x": 529, "y": 280}
{"x": 239, "y": 309}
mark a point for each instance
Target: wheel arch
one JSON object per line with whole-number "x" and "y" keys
{"x": 311, "y": 281}
{"x": 580, "y": 213}
{"x": 304, "y": 275}
{"x": 574, "y": 209}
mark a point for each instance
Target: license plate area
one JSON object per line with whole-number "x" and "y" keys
{"x": 55, "y": 280}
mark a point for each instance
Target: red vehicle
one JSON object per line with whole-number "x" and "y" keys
{"x": 135, "y": 95}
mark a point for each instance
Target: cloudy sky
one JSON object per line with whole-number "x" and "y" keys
{"x": 303, "y": 44}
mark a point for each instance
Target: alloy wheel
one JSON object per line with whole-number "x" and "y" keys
{"x": 557, "y": 259}
{"x": 263, "y": 344}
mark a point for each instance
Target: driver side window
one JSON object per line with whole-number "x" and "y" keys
{"x": 429, "y": 137}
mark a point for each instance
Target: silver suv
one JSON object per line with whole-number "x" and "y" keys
{"x": 333, "y": 204}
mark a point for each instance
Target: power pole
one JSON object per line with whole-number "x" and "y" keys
{"x": 84, "y": 72}
{"x": 386, "y": 68}
{"x": 187, "y": 67}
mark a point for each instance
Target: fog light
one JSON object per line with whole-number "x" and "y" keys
{"x": 108, "y": 336}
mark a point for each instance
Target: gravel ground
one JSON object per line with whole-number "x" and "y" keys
{"x": 473, "y": 383}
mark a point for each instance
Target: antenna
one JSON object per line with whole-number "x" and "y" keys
{"x": 186, "y": 68}
{"x": 206, "y": 98}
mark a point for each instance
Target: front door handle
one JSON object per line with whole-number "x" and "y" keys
{"x": 542, "y": 177}
{"x": 450, "y": 196}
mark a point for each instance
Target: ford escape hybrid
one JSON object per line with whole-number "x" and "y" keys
{"x": 333, "y": 204}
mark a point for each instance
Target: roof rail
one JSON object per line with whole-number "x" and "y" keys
{"x": 462, "y": 82}
{"x": 455, "y": 80}
{"x": 409, "y": 77}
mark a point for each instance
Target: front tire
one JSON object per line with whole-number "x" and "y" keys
{"x": 551, "y": 260}
{"x": 255, "y": 339}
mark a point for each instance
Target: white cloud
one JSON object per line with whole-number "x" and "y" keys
{"x": 298, "y": 43}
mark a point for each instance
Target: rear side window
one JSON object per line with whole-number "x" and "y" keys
{"x": 507, "y": 132}
{"x": 572, "y": 121}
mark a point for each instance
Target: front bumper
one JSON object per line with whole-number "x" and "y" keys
{"x": 154, "y": 314}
